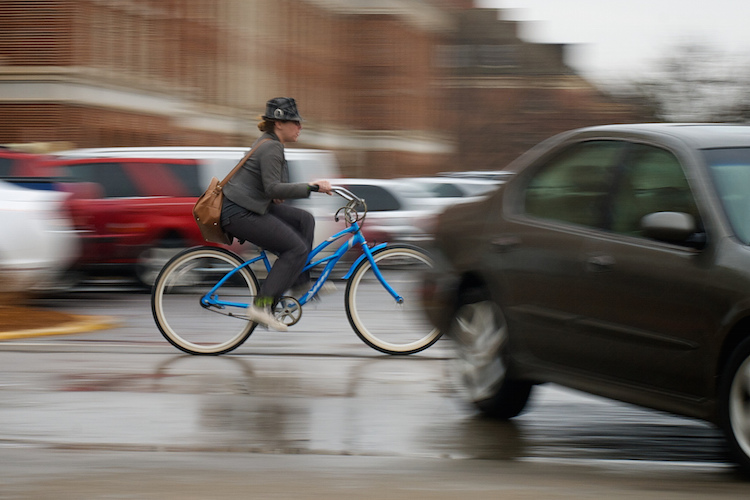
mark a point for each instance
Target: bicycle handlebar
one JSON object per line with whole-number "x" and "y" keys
{"x": 345, "y": 193}
{"x": 350, "y": 212}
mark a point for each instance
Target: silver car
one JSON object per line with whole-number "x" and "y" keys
{"x": 393, "y": 215}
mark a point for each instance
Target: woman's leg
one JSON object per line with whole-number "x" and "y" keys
{"x": 304, "y": 223}
{"x": 273, "y": 233}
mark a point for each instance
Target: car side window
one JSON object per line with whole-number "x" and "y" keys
{"x": 111, "y": 176}
{"x": 653, "y": 181}
{"x": 573, "y": 187}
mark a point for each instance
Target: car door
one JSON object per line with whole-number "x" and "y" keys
{"x": 538, "y": 247}
{"x": 649, "y": 304}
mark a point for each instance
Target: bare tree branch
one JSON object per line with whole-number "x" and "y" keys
{"x": 695, "y": 83}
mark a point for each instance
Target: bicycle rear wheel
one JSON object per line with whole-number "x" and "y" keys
{"x": 372, "y": 310}
{"x": 176, "y": 301}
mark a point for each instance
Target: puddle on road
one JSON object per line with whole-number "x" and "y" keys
{"x": 387, "y": 406}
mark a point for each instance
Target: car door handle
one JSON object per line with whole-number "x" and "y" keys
{"x": 504, "y": 243}
{"x": 599, "y": 263}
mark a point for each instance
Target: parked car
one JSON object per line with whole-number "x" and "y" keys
{"x": 440, "y": 192}
{"x": 404, "y": 209}
{"x": 616, "y": 261}
{"x": 131, "y": 214}
{"x": 144, "y": 213}
{"x": 39, "y": 243}
{"x": 392, "y": 215}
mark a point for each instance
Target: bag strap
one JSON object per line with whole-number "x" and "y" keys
{"x": 242, "y": 162}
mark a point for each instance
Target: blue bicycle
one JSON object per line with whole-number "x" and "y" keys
{"x": 201, "y": 295}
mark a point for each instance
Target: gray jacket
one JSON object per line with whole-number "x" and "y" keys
{"x": 264, "y": 178}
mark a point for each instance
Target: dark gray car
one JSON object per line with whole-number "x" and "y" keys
{"x": 617, "y": 262}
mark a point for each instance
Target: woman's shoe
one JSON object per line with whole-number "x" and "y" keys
{"x": 264, "y": 316}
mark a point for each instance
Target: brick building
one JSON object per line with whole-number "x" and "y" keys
{"x": 384, "y": 83}
{"x": 504, "y": 95}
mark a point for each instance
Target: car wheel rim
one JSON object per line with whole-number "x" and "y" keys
{"x": 480, "y": 333}
{"x": 739, "y": 407}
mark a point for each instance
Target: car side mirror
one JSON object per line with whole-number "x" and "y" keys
{"x": 673, "y": 227}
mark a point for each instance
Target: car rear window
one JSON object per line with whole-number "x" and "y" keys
{"x": 573, "y": 186}
{"x": 377, "y": 198}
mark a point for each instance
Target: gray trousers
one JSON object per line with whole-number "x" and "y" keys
{"x": 285, "y": 231}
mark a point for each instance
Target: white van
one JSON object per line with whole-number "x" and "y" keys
{"x": 305, "y": 165}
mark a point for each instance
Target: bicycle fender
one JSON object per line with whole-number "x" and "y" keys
{"x": 360, "y": 259}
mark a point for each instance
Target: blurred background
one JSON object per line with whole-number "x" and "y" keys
{"x": 394, "y": 87}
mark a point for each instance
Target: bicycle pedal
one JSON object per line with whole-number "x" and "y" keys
{"x": 288, "y": 310}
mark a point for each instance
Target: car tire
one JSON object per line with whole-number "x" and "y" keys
{"x": 152, "y": 259}
{"x": 480, "y": 334}
{"x": 734, "y": 405}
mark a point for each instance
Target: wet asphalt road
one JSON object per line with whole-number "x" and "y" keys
{"x": 312, "y": 413}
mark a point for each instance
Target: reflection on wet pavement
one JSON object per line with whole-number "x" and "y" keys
{"x": 567, "y": 424}
{"x": 381, "y": 406}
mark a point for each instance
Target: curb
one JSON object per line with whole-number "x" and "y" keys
{"x": 76, "y": 324}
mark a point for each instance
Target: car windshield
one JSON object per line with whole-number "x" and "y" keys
{"x": 730, "y": 169}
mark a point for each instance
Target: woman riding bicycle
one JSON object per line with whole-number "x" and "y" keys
{"x": 254, "y": 208}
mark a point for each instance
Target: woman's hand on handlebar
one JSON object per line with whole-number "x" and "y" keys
{"x": 323, "y": 186}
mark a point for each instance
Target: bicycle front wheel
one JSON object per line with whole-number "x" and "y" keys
{"x": 379, "y": 319}
{"x": 176, "y": 301}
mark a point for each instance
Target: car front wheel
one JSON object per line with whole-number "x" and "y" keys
{"x": 480, "y": 335}
{"x": 734, "y": 401}
{"x": 151, "y": 260}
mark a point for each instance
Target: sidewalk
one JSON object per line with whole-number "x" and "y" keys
{"x": 23, "y": 322}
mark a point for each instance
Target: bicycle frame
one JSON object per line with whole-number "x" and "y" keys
{"x": 357, "y": 239}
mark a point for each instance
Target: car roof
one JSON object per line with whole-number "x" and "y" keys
{"x": 399, "y": 183}
{"x": 492, "y": 175}
{"x": 173, "y": 152}
{"x": 365, "y": 181}
{"x": 452, "y": 180}
{"x": 697, "y": 135}
{"x": 118, "y": 159}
